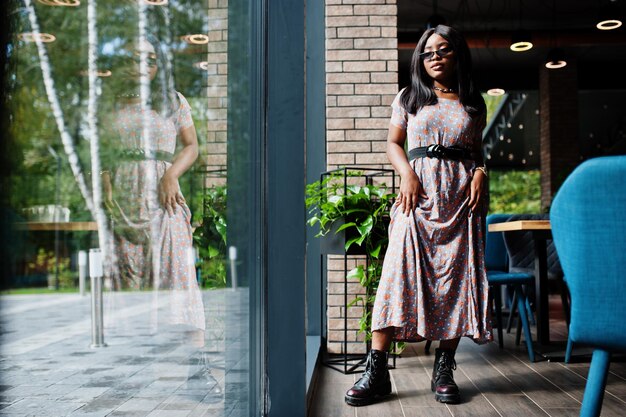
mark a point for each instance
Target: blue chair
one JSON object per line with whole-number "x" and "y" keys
{"x": 589, "y": 230}
{"x": 498, "y": 275}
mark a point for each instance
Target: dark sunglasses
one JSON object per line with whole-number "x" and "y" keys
{"x": 427, "y": 56}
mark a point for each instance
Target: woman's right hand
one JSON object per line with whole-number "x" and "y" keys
{"x": 410, "y": 190}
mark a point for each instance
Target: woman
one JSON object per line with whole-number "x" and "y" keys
{"x": 433, "y": 284}
{"x": 151, "y": 220}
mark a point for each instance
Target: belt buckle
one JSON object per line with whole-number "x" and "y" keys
{"x": 435, "y": 151}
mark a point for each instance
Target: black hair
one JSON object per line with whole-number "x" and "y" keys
{"x": 420, "y": 92}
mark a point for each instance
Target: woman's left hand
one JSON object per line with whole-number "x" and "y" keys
{"x": 476, "y": 189}
{"x": 169, "y": 193}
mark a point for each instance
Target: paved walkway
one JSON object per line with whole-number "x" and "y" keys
{"x": 48, "y": 369}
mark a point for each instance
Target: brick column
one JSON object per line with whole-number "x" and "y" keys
{"x": 214, "y": 151}
{"x": 361, "y": 83}
{"x": 558, "y": 128}
{"x": 361, "y": 80}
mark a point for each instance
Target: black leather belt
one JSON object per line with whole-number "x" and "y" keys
{"x": 441, "y": 152}
{"x": 138, "y": 154}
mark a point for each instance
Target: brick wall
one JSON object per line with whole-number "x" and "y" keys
{"x": 558, "y": 128}
{"x": 361, "y": 80}
{"x": 361, "y": 83}
{"x": 213, "y": 152}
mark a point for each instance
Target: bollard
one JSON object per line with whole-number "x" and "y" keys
{"x": 95, "y": 273}
{"x": 232, "y": 255}
{"x": 82, "y": 271}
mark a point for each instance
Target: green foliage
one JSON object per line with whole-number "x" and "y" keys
{"x": 210, "y": 238}
{"x": 46, "y": 263}
{"x": 364, "y": 211}
{"x": 514, "y": 192}
{"x": 33, "y": 129}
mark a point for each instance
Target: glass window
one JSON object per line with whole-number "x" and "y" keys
{"x": 121, "y": 115}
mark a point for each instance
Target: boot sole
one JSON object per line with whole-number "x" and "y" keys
{"x": 448, "y": 399}
{"x": 357, "y": 402}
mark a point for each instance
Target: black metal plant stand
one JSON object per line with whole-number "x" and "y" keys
{"x": 345, "y": 362}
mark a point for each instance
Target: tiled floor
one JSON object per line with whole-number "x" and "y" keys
{"x": 48, "y": 369}
{"x": 493, "y": 382}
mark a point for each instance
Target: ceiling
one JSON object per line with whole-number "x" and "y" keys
{"x": 600, "y": 56}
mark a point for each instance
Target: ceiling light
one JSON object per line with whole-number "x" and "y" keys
{"x": 196, "y": 39}
{"x": 99, "y": 73}
{"x": 33, "y": 36}
{"x": 156, "y": 2}
{"x": 495, "y": 92}
{"x": 609, "y": 17}
{"x": 521, "y": 41}
{"x": 70, "y": 3}
{"x": 555, "y": 59}
{"x": 609, "y": 24}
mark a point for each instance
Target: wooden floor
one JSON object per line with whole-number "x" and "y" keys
{"x": 493, "y": 382}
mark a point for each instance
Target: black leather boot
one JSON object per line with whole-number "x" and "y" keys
{"x": 374, "y": 382}
{"x": 442, "y": 382}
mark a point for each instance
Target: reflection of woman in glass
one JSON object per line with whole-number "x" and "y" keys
{"x": 151, "y": 221}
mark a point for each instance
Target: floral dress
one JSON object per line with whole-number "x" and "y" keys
{"x": 153, "y": 249}
{"x": 433, "y": 284}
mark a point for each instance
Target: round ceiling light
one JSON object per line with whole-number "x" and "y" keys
{"x": 556, "y": 59}
{"x": 34, "y": 36}
{"x": 196, "y": 39}
{"x": 520, "y": 41}
{"x": 609, "y": 24}
{"x": 521, "y": 46}
{"x": 66, "y": 3}
{"x": 156, "y": 2}
{"x": 555, "y": 64}
{"x": 495, "y": 92}
{"x": 99, "y": 73}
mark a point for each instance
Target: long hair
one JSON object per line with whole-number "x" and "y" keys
{"x": 420, "y": 92}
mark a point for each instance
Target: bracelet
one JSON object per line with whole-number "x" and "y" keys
{"x": 483, "y": 169}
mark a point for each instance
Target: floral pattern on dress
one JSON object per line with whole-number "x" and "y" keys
{"x": 434, "y": 284}
{"x": 154, "y": 249}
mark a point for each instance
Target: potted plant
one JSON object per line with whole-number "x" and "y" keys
{"x": 359, "y": 214}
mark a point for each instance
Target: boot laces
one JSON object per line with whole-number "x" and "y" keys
{"x": 445, "y": 366}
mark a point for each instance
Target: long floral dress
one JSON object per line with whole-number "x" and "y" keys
{"x": 433, "y": 284}
{"x": 153, "y": 249}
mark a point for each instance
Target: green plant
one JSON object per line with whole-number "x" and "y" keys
{"x": 364, "y": 211}
{"x": 514, "y": 192}
{"x": 210, "y": 238}
{"x": 46, "y": 263}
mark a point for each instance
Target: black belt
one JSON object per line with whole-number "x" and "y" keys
{"x": 138, "y": 154}
{"x": 440, "y": 151}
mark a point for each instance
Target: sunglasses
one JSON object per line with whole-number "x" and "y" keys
{"x": 151, "y": 61}
{"x": 428, "y": 56}
{"x": 126, "y": 58}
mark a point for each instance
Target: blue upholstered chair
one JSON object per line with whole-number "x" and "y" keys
{"x": 589, "y": 229}
{"x": 498, "y": 275}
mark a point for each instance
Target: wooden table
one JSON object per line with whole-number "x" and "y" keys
{"x": 57, "y": 228}
{"x": 53, "y": 226}
{"x": 542, "y": 232}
